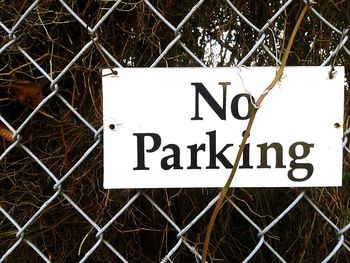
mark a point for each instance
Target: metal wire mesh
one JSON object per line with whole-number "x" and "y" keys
{"x": 21, "y": 218}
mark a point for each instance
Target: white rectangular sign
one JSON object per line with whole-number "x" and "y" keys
{"x": 182, "y": 127}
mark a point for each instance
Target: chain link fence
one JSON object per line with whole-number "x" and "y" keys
{"x": 52, "y": 205}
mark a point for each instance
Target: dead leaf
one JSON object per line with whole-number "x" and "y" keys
{"x": 6, "y": 134}
{"x": 25, "y": 92}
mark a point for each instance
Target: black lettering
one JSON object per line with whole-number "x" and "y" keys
{"x": 194, "y": 155}
{"x": 201, "y": 89}
{"x": 294, "y": 165}
{"x": 263, "y": 155}
{"x": 140, "y": 137}
{"x": 235, "y": 106}
{"x": 175, "y": 156}
{"x": 213, "y": 155}
{"x": 246, "y": 155}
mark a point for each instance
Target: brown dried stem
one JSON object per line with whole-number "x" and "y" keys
{"x": 224, "y": 190}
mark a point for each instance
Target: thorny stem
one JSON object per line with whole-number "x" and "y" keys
{"x": 224, "y": 190}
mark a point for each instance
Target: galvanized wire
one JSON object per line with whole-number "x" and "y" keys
{"x": 262, "y": 231}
